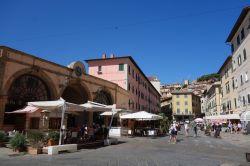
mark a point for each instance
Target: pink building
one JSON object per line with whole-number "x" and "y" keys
{"x": 126, "y": 73}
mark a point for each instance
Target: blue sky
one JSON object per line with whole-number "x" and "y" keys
{"x": 173, "y": 40}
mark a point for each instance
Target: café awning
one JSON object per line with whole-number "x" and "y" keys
{"x": 25, "y": 110}
{"x": 245, "y": 116}
{"x": 142, "y": 115}
{"x": 223, "y": 117}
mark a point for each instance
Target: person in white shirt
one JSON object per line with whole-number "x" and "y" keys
{"x": 186, "y": 128}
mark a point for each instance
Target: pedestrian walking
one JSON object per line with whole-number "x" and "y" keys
{"x": 195, "y": 129}
{"x": 186, "y": 129}
{"x": 239, "y": 127}
{"x": 230, "y": 127}
{"x": 173, "y": 134}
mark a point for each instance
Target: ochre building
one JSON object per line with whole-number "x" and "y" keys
{"x": 24, "y": 78}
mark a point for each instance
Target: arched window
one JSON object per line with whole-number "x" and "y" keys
{"x": 24, "y": 89}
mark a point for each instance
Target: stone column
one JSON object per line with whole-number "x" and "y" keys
{"x": 3, "y": 101}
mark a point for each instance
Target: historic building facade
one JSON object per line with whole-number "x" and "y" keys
{"x": 25, "y": 78}
{"x": 185, "y": 105}
{"x": 127, "y": 74}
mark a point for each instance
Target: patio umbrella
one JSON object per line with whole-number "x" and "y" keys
{"x": 142, "y": 115}
{"x": 199, "y": 120}
{"x": 25, "y": 110}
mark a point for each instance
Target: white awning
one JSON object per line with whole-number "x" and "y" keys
{"x": 25, "y": 110}
{"x": 142, "y": 115}
{"x": 245, "y": 116}
{"x": 223, "y": 117}
{"x": 97, "y": 107}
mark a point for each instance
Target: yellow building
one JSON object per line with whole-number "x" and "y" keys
{"x": 185, "y": 105}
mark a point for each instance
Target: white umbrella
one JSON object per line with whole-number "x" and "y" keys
{"x": 27, "y": 109}
{"x": 97, "y": 107}
{"x": 142, "y": 115}
{"x": 52, "y": 105}
{"x": 245, "y": 116}
{"x": 199, "y": 120}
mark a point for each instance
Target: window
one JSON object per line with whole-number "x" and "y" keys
{"x": 226, "y": 73}
{"x": 242, "y": 33}
{"x": 248, "y": 98}
{"x": 177, "y": 103}
{"x": 129, "y": 70}
{"x": 133, "y": 73}
{"x": 239, "y": 60}
{"x": 99, "y": 68}
{"x": 185, "y": 96}
{"x": 178, "y": 110}
{"x": 235, "y": 103}
{"x": 241, "y": 79}
{"x": 238, "y": 40}
{"x": 177, "y": 96}
{"x": 227, "y": 87}
{"x": 244, "y": 101}
{"x": 233, "y": 84}
{"x": 234, "y": 66}
{"x": 232, "y": 48}
{"x": 121, "y": 67}
{"x": 34, "y": 123}
{"x": 133, "y": 89}
{"x": 246, "y": 77}
{"x": 186, "y": 103}
{"x": 186, "y": 111}
{"x": 244, "y": 55}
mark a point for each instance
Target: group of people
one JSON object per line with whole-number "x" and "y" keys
{"x": 234, "y": 128}
{"x": 175, "y": 127}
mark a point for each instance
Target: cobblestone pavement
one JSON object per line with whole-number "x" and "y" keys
{"x": 143, "y": 151}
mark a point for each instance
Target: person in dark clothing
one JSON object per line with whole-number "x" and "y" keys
{"x": 195, "y": 129}
{"x": 217, "y": 131}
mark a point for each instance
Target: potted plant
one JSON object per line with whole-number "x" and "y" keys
{"x": 164, "y": 124}
{"x": 18, "y": 142}
{"x": 53, "y": 138}
{"x": 36, "y": 142}
{"x": 208, "y": 130}
{"x": 2, "y": 138}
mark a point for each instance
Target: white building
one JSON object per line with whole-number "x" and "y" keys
{"x": 239, "y": 39}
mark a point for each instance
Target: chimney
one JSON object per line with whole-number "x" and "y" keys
{"x": 103, "y": 56}
{"x": 112, "y": 55}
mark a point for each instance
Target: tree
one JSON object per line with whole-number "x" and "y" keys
{"x": 213, "y": 76}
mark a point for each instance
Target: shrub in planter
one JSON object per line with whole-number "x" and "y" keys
{"x": 53, "y": 138}
{"x": 18, "y": 142}
{"x": 2, "y": 138}
{"x": 36, "y": 142}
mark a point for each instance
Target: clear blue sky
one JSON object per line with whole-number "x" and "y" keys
{"x": 173, "y": 40}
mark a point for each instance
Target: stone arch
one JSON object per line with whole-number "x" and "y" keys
{"x": 76, "y": 93}
{"x": 103, "y": 96}
{"x": 24, "y": 87}
{"x": 37, "y": 73}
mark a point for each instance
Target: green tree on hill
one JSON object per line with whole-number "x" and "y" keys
{"x": 213, "y": 76}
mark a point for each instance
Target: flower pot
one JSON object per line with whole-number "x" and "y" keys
{"x": 2, "y": 144}
{"x": 35, "y": 151}
{"x": 51, "y": 142}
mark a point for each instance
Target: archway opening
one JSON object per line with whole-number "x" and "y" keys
{"x": 76, "y": 94}
{"x": 23, "y": 89}
{"x": 102, "y": 97}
